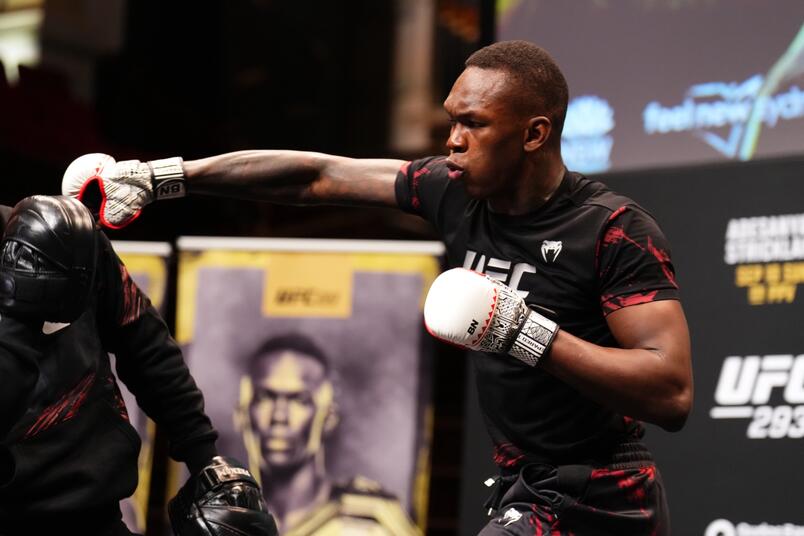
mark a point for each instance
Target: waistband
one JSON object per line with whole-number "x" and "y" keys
{"x": 570, "y": 478}
{"x": 627, "y": 455}
{"x": 623, "y": 455}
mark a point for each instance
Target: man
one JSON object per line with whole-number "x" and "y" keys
{"x": 593, "y": 263}
{"x": 68, "y": 453}
{"x": 287, "y": 411}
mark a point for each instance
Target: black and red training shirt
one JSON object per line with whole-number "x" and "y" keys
{"x": 585, "y": 253}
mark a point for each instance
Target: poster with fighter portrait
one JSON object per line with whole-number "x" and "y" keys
{"x": 146, "y": 262}
{"x": 314, "y": 364}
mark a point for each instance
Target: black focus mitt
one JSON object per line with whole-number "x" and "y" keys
{"x": 223, "y": 499}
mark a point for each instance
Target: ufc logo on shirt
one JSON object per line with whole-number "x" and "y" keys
{"x": 500, "y": 269}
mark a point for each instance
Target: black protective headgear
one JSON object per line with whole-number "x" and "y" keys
{"x": 224, "y": 499}
{"x": 47, "y": 259}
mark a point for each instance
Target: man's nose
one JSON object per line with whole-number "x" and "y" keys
{"x": 456, "y": 142}
{"x": 280, "y": 411}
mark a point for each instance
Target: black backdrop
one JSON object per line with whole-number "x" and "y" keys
{"x": 717, "y": 476}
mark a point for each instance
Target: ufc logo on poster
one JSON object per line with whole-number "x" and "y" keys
{"x": 500, "y": 269}
{"x": 746, "y": 385}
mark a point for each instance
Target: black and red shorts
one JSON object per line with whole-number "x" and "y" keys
{"x": 624, "y": 497}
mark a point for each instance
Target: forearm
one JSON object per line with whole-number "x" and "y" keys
{"x": 265, "y": 175}
{"x": 294, "y": 177}
{"x": 646, "y": 384}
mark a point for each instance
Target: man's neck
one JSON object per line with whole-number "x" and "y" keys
{"x": 292, "y": 495}
{"x": 538, "y": 184}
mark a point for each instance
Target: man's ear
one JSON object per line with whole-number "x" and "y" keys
{"x": 332, "y": 419}
{"x": 537, "y": 133}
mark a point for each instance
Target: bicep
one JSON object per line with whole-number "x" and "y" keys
{"x": 658, "y": 326}
{"x": 357, "y": 181}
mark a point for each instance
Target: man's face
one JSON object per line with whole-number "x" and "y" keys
{"x": 291, "y": 400}
{"x": 487, "y": 134}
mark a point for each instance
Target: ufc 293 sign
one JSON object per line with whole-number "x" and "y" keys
{"x": 768, "y": 390}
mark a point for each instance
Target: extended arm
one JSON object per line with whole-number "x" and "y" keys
{"x": 292, "y": 177}
{"x": 295, "y": 177}
{"x": 650, "y": 378}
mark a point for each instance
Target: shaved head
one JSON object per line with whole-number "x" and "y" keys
{"x": 538, "y": 86}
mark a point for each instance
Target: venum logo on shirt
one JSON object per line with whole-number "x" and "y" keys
{"x": 745, "y": 388}
{"x": 506, "y": 271}
{"x": 551, "y": 249}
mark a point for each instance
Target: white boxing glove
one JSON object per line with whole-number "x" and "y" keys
{"x": 475, "y": 311}
{"x": 125, "y": 187}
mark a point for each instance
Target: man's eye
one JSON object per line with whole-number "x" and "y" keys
{"x": 301, "y": 398}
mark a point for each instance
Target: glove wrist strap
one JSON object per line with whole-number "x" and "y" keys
{"x": 167, "y": 178}
{"x": 534, "y": 339}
